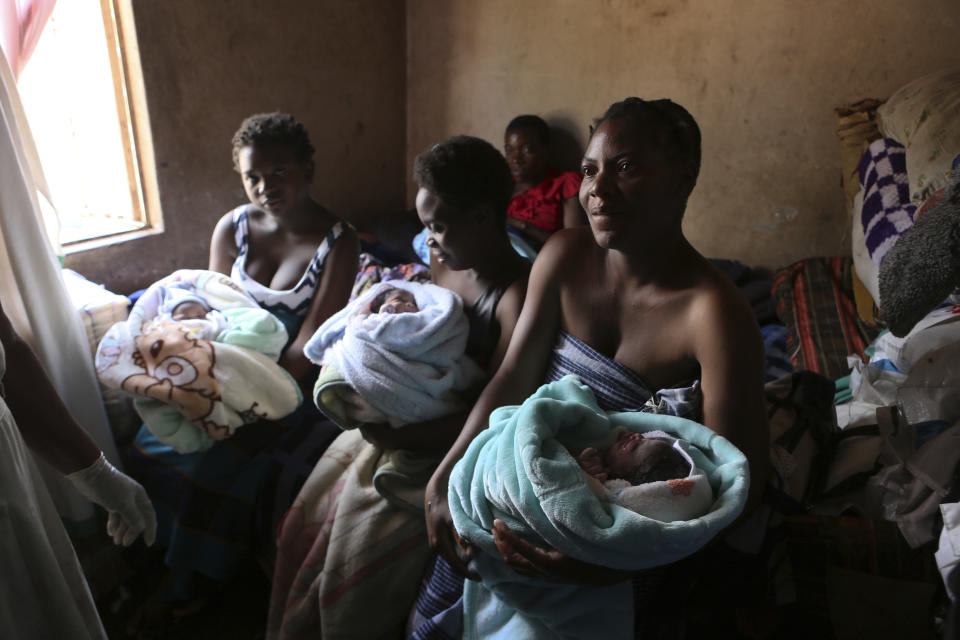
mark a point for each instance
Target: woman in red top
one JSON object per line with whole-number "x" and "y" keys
{"x": 544, "y": 198}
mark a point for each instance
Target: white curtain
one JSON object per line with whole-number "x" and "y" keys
{"x": 33, "y": 293}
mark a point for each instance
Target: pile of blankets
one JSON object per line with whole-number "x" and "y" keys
{"x": 196, "y": 381}
{"x": 521, "y": 471}
{"x": 407, "y": 367}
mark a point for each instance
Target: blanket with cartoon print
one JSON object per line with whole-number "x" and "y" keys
{"x": 199, "y": 379}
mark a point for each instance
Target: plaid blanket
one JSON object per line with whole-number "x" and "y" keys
{"x": 815, "y": 301}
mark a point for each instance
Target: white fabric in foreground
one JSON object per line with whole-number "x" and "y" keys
{"x": 34, "y": 296}
{"x": 43, "y": 593}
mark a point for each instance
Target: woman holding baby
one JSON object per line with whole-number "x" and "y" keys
{"x": 632, "y": 308}
{"x": 297, "y": 260}
{"x": 342, "y": 544}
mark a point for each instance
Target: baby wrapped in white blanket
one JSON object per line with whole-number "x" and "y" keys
{"x": 395, "y": 354}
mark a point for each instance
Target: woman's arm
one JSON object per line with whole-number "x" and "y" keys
{"x": 519, "y": 374}
{"x": 223, "y": 247}
{"x": 573, "y": 214}
{"x": 52, "y": 433}
{"x": 331, "y": 295}
{"x": 44, "y": 421}
{"x": 729, "y": 349}
{"x": 431, "y": 436}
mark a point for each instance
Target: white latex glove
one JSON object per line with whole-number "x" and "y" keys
{"x": 124, "y": 499}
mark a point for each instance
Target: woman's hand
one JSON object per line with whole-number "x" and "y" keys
{"x": 131, "y": 512}
{"x": 441, "y": 534}
{"x": 549, "y": 564}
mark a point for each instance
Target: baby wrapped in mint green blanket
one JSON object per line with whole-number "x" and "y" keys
{"x": 521, "y": 470}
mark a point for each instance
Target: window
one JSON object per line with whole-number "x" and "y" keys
{"x": 83, "y": 96}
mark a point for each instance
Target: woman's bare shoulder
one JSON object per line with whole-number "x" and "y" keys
{"x": 718, "y": 307}
{"x": 568, "y": 251}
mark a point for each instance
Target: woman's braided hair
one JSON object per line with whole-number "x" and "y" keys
{"x": 679, "y": 134}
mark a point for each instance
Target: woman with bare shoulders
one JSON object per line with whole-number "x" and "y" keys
{"x": 361, "y": 547}
{"x": 644, "y": 320}
{"x": 298, "y": 261}
{"x": 283, "y": 248}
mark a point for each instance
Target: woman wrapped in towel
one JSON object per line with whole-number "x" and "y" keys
{"x": 521, "y": 471}
{"x": 630, "y": 307}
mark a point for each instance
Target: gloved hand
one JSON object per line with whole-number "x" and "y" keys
{"x": 124, "y": 499}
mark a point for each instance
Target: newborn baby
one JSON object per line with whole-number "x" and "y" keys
{"x": 392, "y": 301}
{"x": 183, "y": 305}
{"x": 637, "y": 459}
{"x": 189, "y": 310}
{"x": 634, "y": 459}
{"x": 394, "y": 355}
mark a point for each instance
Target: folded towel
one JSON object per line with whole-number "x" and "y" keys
{"x": 405, "y": 365}
{"x": 520, "y": 470}
{"x": 333, "y": 395}
{"x": 196, "y": 381}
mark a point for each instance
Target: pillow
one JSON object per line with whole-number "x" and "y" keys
{"x": 815, "y": 302}
{"x": 924, "y": 116}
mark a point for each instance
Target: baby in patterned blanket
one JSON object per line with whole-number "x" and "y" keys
{"x": 639, "y": 471}
{"x": 182, "y": 304}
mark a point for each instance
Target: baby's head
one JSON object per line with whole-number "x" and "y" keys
{"x": 639, "y": 459}
{"x": 189, "y": 310}
{"x": 394, "y": 300}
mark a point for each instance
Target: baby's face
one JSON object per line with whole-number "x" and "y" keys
{"x": 189, "y": 310}
{"x": 399, "y": 301}
{"x": 631, "y": 450}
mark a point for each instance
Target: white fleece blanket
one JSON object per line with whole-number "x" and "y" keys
{"x": 198, "y": 380}
{"x": 407, "y": 366}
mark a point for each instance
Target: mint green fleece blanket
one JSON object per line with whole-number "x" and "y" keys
{"x": 521, "y": 471}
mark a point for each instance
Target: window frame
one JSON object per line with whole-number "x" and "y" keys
{"x": 133, "y": 117}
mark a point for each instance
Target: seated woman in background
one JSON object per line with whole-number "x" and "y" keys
{"x": 630, "y": 307}
{"x": 298, "y": 261}
{"x": 544, "y": 198}
{"x": 343, "y": 545}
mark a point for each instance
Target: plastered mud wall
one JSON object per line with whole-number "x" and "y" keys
{"x": 337, "y": 66}
{"x": 761, "y": 77}
{"x": 378, "y": 81}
